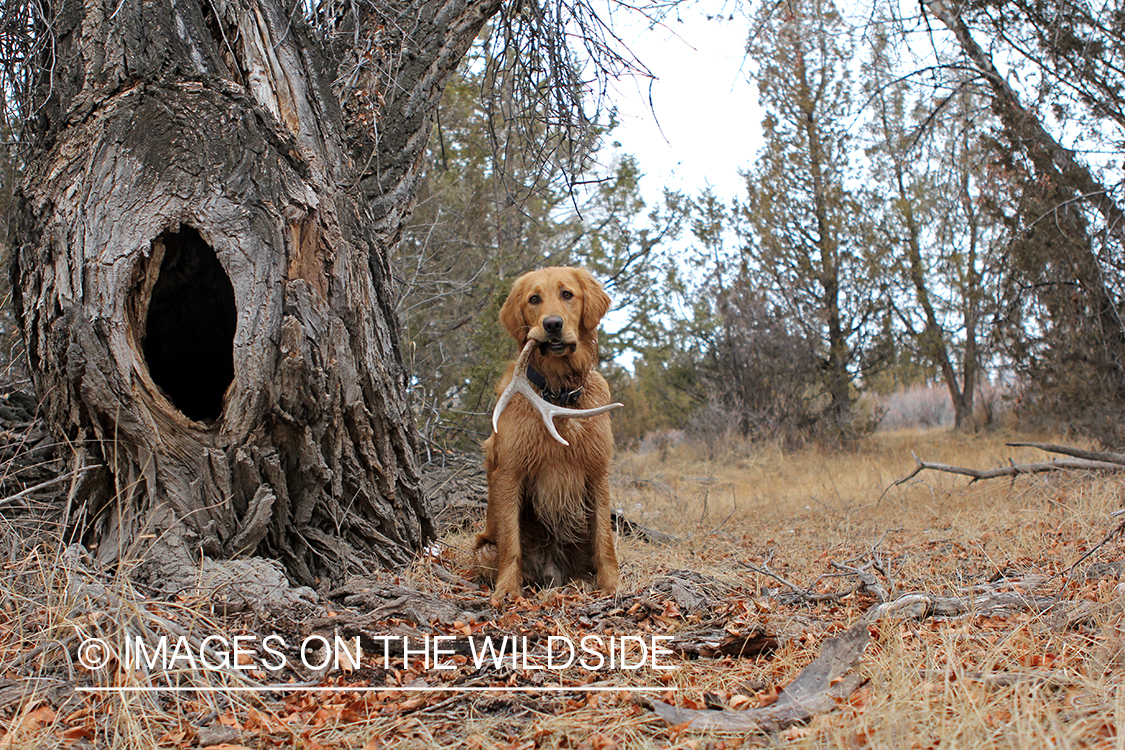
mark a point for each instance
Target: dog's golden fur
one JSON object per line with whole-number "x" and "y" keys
{"x": 548, "y": 504}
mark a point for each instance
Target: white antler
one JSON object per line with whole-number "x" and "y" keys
{"x": 520, "y": 384}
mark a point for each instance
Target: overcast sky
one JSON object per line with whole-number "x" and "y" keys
{"x": 704, "y": 123}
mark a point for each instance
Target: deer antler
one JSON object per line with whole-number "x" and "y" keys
{"x": 520, "y": 384}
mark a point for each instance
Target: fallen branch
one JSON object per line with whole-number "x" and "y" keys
{"x": 10, "y": 499}
{"x": 922, "y": 606}
{"x": 802, "y": 595}
{"x": 1054, "y": 680}
{"x": 866, "y": 579}
{"x": 624, "y": 526}
{"x": 1089, "y": 553}
{"x": 765, "y": 571}
{"x": 1011, "y": 470}
{"x": 819, "y": 688}
{"x": 1113, "y": 458}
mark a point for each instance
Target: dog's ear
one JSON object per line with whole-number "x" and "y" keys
{"x": 595, "y": 302}
{"x": 511, "y": 314}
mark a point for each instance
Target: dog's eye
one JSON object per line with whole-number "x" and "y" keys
{"x": 567, "y": 294}
{"x": 534, "y": 299}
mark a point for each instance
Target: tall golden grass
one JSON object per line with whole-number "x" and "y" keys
{"x": 818, "y": 498}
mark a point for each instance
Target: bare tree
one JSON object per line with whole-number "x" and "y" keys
{"x": 930, "y": 167}
{"x": 803, "y": 227}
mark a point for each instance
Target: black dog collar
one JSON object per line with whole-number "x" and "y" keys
{"x": 558, "y": 398}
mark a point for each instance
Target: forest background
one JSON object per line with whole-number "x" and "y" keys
{"x": 899, "y": 229}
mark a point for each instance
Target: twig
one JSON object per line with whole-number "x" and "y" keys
{"x": 1069, "y": 571}
{"x": 870, "y": 582}
{"x": 1001, "y": 679}
{"x": 43, "y": 485}
{"x": 724, "y": 523}
{"x": 623, "y": 525}
{"x": 802, "y": 594}
{"x": 769, "y": 573}
{"x": 877, "y": 560}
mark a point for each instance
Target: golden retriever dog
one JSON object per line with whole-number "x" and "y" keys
{"x": 548, "y": 517}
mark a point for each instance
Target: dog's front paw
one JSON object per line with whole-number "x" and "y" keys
{"x": 507, "y": 588}
{"x": 609, "y": 581}
{"x": 501, "y": 598}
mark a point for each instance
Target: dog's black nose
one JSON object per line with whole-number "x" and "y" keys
{"x": 553, "y": 325}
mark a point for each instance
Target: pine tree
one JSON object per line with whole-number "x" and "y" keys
{"x": 803, "y": 232}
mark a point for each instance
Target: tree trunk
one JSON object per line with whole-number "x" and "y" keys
{"x": 202, "y": 282}
{"x": 971, "y": 303}
{"x": 933, "y": 338}
{"x": 837, "y": 377}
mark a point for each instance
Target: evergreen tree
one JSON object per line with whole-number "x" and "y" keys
{"x": 802, "y": 227}
{"x": 1057, "y": 156}
{"x": 486, "y": 215}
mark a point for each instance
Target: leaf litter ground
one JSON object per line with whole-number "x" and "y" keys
{"x": 799, "y": 606}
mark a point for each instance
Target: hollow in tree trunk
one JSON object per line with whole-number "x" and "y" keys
{"x": 200, "y": 272}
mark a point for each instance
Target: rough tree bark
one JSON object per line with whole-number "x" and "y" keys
{"x": 200, "y": 272}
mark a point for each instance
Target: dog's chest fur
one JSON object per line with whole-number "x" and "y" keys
{"x": 559, "y": 497}
{"x": 556, "y": 477}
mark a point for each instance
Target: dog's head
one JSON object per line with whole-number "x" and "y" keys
{"x": 558, "y": 306}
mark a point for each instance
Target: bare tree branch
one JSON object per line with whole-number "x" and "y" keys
{"x": 1010, "y": 470}
{"x": 1113, "y": 458}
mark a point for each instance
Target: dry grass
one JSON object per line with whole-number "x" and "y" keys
{"x": 1023, "y": 681}
{"x": 1051, "y": 679}
{"x": 50, "y": 603}
{"x": 807, "y": 504}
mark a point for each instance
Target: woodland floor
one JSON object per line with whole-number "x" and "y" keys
{"x": 965, "y": 615}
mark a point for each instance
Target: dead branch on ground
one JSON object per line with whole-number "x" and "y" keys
{"x": 800, "y": 595}
{"x": 1012, "y": 470}
{"x": 1081, "y": 460}
{"x": 1065, "y": 450}
{"x": 857, "y": 568}
{"x": 867, "y": 580}
{"x": 819, "y": 688}
{"x": 988, "y": 604}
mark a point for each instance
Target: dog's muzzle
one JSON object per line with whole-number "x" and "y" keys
{"x": 558, "y": 348}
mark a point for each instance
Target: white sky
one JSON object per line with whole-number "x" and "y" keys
{"x": 704, "y": 123}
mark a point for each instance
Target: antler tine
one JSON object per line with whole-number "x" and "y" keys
{"x": 520, "y": 384}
